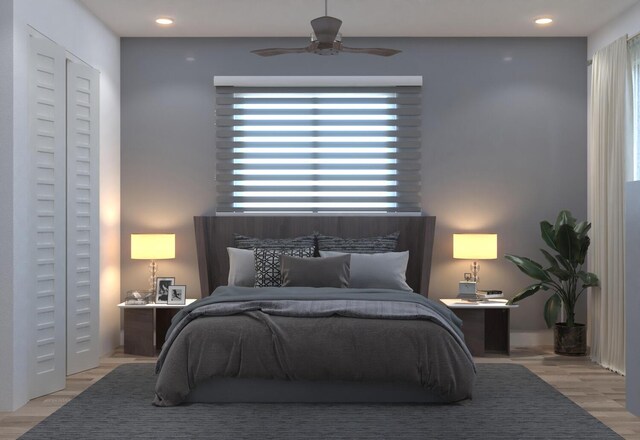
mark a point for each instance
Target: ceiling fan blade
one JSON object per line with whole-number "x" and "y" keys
{"x": 371, "y": 51}
{"x": 326, "y": 28}
{"x": 280, "y": 51}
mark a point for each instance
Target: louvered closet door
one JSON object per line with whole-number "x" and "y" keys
{"x": 82, "y": 218}
{"x": 48, "y": 243}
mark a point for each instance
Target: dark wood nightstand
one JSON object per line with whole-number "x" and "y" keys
{"x": 142, "y": 322}
{"x": 485, "y": 324}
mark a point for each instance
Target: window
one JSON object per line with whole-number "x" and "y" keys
{"x": 318, "y": 149}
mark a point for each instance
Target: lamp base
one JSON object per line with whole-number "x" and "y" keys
{"x": 153, "y": 270}
{"x": 475, "y": 269}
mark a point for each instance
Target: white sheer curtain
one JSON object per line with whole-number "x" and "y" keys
{"x": 634, "y": 155}
{"x": 608, "y": 148}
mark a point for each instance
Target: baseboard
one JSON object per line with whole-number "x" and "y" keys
{"x": 534, "y": 338}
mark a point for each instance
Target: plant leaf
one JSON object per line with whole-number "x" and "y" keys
{"x": 529, "y": 267}
{"x": 552, "y": 261}
{"x": 548, "y": 235}
{"x": 582, "y": 228}
{"x": 562, "y": 274}
{"x": 524, "y": 293}
{"x": 568, "y": 244}
{"x": 555, "y": 269}
{"x": 584, "y": 247}
{"x": 564, "y": 218}
{"x": 551, "y": 310}
{"x": 589, "y": 279}
{"x": 565, "y": 263}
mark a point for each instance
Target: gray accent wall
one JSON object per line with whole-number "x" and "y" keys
{"x": 504, "y": 132}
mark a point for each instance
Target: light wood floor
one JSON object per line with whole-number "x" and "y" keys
{"x": 597, "y": 390}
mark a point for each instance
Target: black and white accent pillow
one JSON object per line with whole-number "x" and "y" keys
{"x": 367, "y": 245}
{"x": 268, "y": 263}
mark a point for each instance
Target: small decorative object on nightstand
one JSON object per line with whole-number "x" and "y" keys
{"x": 177, "y": 295}
{"x": 467, "y": 290}
{"x": 485, "y": 324}
{"x": 139, "y": 297}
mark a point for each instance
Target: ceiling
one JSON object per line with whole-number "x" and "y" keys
{"x": 362, "y": 18}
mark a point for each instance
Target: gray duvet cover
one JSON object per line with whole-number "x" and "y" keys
{"x": 365, "y": 335}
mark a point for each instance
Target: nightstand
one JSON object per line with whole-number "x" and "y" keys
{"x": 141, "y": 322}
{"x": 485, "y": 324}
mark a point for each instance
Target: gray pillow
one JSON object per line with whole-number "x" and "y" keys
{"x": 366, "y": 245}
{"x": 245, "y": 242}
{"x": 379, "y": 271}
{"x": 268, "y": 264}
{"x": 242, "y": 267}
{"x": 315, "y": 272}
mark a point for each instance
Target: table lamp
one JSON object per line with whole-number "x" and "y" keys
{"x": 153, "y": 247}
{"x": 475, "y": 247}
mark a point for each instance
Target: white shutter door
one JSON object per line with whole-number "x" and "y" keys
{"x": 47, "y": 144}
{"x": 82, "y": 218}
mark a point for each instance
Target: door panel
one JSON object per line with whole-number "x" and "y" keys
{"x": 82, "y": 218}
{"x": 48, "y": 191}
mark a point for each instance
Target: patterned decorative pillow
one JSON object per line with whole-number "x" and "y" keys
{"x": 245, "y": 242}
{"x": 367, "y": 245}
{"x": 268, "y": 263}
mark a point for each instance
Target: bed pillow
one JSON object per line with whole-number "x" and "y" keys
{"x": 242, "y": 267}
{"x": 245, "y": 242}
{"x": 378, "y": 271}
{"x": 367, "y": 245}
{"x": 268, "y": 263}
{"x": 315, "y": 272}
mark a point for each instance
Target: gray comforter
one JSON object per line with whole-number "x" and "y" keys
{"x": 371, "y": 335}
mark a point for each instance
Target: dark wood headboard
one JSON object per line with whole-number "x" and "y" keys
{"x": 215, "y": 233}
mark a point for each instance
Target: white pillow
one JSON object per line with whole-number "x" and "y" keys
{"x": 380, "y": 271}
{"x": 242, "y": 267}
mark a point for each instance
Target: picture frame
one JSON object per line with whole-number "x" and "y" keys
{"x": 162, "y": 289}
{"x": 177, "y": 295}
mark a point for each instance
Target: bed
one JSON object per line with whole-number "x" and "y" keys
{"x": 312, "y": 344}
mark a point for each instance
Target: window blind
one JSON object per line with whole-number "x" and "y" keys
{"x": 318, "y": 149}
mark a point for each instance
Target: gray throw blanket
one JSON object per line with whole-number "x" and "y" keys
{"x": 257, "y": 332}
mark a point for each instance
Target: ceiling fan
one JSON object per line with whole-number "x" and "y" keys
{"x": 326, "y": 40}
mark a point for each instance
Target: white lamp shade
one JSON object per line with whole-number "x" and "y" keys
{"x": 475, "y": 246}
{"x": 153, "y": 246}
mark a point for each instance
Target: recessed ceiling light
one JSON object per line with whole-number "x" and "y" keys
{"x": 543, "y": 20}
{"x": 165, "y": 21}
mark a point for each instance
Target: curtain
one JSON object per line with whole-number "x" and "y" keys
{"x": 608, "y": 147}
{"x": 634, "y": 153}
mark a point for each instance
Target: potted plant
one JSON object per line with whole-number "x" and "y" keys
{"x": 564, "y": 276}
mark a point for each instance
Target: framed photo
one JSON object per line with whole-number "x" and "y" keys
{"x": 177, "y": 295}
{"x": 162, "y": 289}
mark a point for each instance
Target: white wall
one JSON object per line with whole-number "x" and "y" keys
{"x": 627, "y": 23}
{"x": 71, "y": 25}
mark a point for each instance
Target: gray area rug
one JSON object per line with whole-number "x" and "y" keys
{"x": 509, "y": 402}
